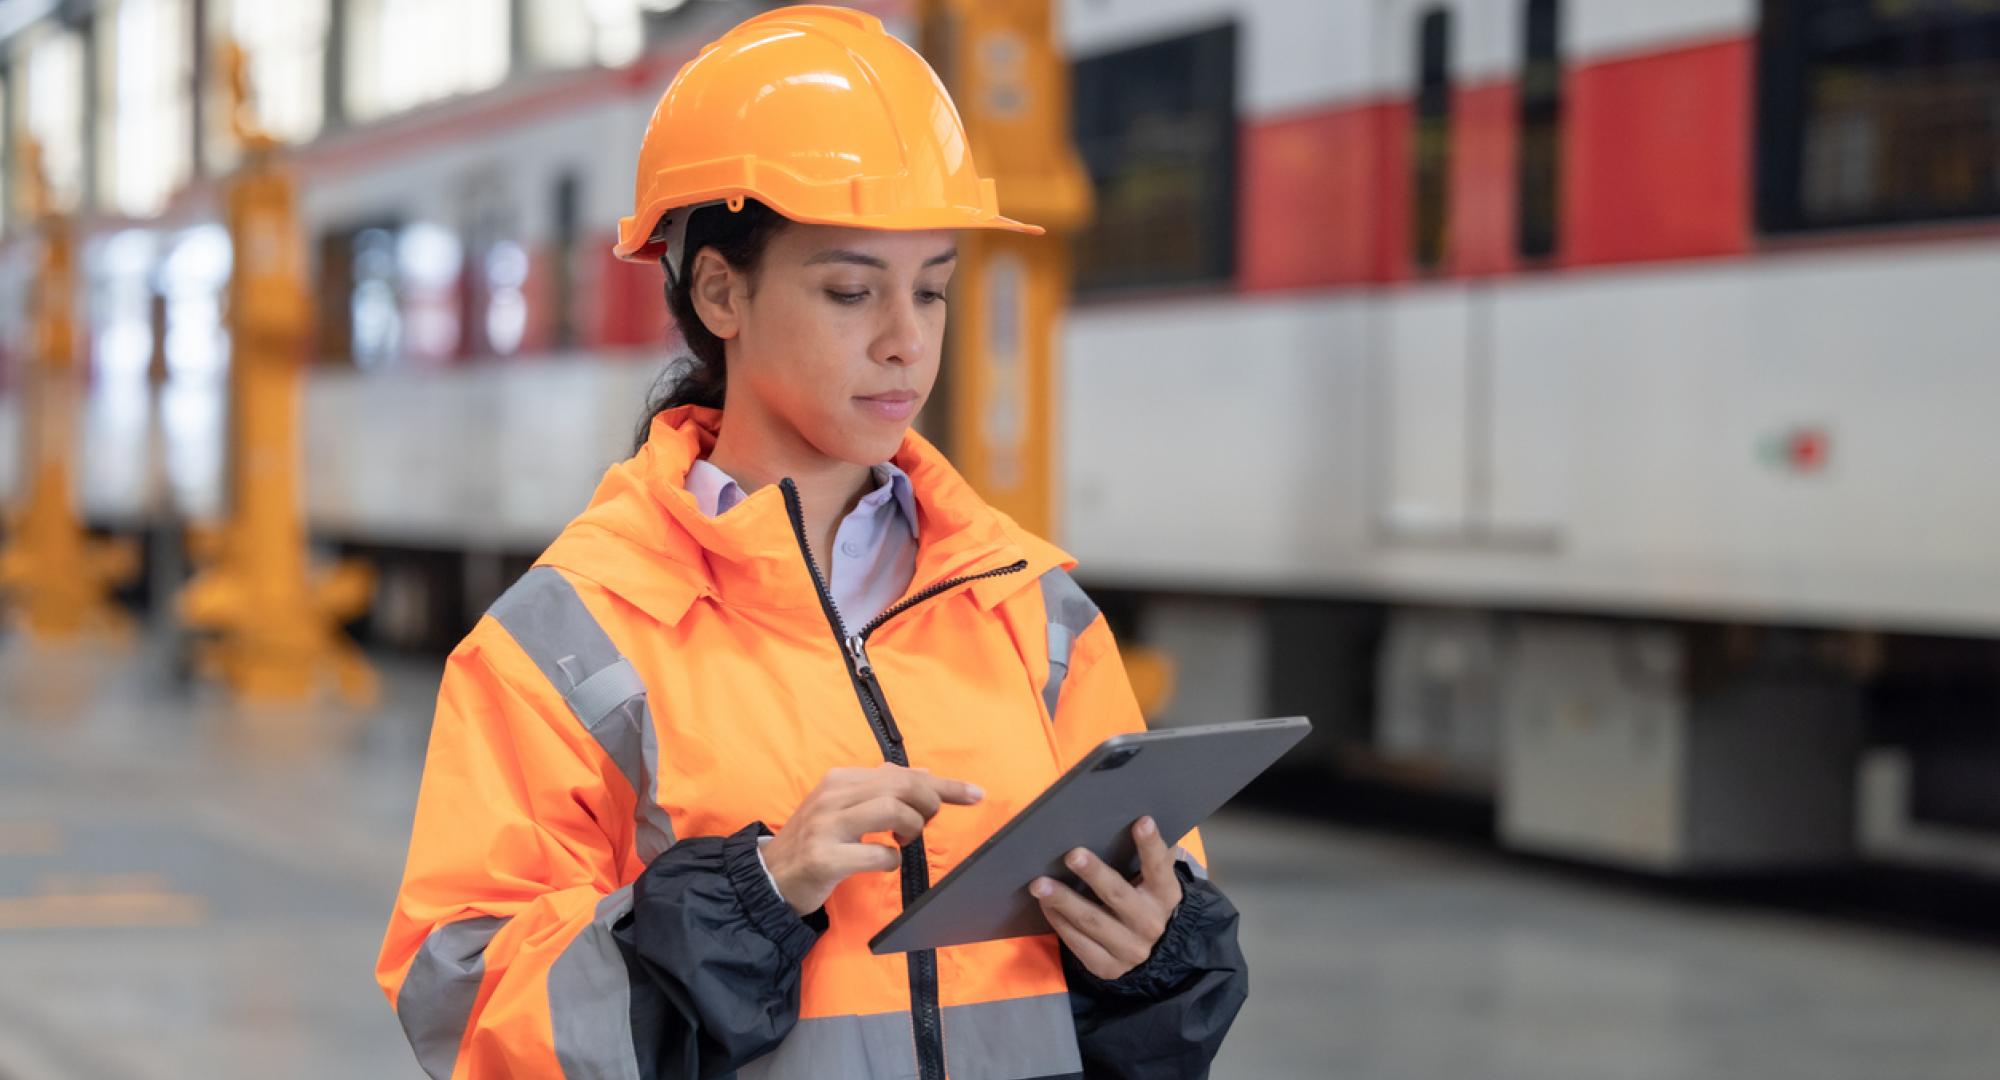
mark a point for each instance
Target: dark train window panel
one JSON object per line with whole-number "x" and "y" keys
{"x": 1430, "y": 166}
{"x": 1877, "y": 112}
{"x": 1156, "y": 127}
{"x": 568, "y": 229}
{"x": 1541, "y": 129}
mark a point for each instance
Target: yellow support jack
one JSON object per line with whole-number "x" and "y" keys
{"x": 57, "y": 576}
{"x": 275, "y": 622}
{"x": 1010, "y": 80}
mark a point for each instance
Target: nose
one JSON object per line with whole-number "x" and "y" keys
{"x": 900, "y": 338}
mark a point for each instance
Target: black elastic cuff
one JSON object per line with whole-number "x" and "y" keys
{"x": 767, "y": 911}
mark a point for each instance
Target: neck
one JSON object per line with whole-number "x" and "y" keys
{"x": 756, "y": 450}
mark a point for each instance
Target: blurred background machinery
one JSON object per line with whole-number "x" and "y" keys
{"x": 56, "y": 577}
{"x": 1578, "y": 406}
{"x": 274, "y": 624}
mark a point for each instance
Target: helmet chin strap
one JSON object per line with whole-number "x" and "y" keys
{"x": 673, "y": 228}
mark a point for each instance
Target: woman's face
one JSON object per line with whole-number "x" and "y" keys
{"x": 840, "y": 337}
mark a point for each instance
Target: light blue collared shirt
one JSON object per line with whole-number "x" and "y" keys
{"x": 874, "y": 554}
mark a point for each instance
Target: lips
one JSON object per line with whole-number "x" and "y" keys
{"x": 894, "y": 406}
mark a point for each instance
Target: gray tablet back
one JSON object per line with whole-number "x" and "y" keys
{"x": 1179, "y": 776}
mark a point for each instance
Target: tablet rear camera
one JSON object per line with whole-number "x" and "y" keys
{"x": 1117, "y": 759}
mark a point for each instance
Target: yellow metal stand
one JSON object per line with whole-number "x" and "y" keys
{"x": 275, "y": 620}
{"x": 1000, "y": 60}
{"x": 1011, "y": 84}
{"x": 57, "y": 576}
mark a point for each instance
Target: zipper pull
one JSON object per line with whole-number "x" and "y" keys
{"x": 859, "y": 652}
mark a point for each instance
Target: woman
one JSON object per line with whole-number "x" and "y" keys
{"x": 788, "y": 669}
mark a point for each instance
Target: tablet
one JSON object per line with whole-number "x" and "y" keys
{"x": 1179, "y": 776}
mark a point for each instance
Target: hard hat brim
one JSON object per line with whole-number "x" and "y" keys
{"x": 636, "y": 242}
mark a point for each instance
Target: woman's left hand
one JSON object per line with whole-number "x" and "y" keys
{"x": 1116, "y": 932}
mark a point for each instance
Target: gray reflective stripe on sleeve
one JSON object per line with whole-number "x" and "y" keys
{"x": 880, "y": 1045}
{"x": 549, "y": 621}
{"x": 435, "y": 1002}
{"x": 1011, "y": 1040}
{"x": 590, "y": 999}
{"x": 1200, "y": 872}
{"x": 595, "y": 697}
{"x": 1069, "y": 612}
{"x": 997, "y": 1040}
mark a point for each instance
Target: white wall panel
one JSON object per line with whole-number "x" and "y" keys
{"x": 1597, "y": 28}
{"x": 1611, "y": 383}
{"x": 498, "y": 457}
{"x": 1527, "y": 452}
{"x": 1422, "y": 374}
{"x": 1632, "y": 411}
{"x": 1291, "y": 53}
{"x": 1215, "y": 438}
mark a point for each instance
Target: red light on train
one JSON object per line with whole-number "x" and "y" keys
{"x": 1807, "y": 449}
{"x": 1800, "y": 450}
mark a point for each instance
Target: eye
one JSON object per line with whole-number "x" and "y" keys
{"x": 839, "y": 297}
{"x": 930, "y": 296}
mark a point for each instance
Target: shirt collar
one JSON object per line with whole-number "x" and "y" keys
{"x": 896, "y": 483}
{"x": 716, "y": 492}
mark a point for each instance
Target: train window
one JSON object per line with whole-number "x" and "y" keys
{"x": 1156, "y": 127}
{"x": 568, "y": 232}
{"x": 1876, "y": 112}
{"x": 145, "y": 144}
{"x": 393, "y": 60}
{"x": 49, "y": 107}
{"x": 333, "y": 313}
{"x": 1541, "y": 129}
{"x": 1431, "y": 167}
{"x": 286, "y": 45}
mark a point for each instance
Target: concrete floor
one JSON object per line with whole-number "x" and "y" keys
{"x": 183, "y": 893}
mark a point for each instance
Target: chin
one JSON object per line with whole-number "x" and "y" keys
{"x": 878, "y": 451}
{"x": 864, "y": 447}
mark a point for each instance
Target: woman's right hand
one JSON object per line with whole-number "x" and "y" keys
{"x": 821, "y": 845}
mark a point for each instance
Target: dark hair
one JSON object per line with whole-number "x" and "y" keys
{"x": 701, "y": 376}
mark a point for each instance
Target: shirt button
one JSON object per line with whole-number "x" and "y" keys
{"x": 851, "y": 549}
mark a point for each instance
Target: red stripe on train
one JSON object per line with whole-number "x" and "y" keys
{"x": 1314, "y": 191}
{"x": 1656, "y": 165}
{"x": 1486, "y": 124}
{"x": 1657, "y": 156}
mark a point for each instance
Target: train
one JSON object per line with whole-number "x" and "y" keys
{"x": 1582, "y": 406}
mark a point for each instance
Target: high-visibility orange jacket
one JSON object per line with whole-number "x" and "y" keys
{"x": 583, "y": 896}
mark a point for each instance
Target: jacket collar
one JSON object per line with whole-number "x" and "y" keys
{"x": 716, "y": 492}
{"x": 644, "y": 536}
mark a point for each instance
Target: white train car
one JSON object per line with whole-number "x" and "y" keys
{"x": 1581, "y": 402}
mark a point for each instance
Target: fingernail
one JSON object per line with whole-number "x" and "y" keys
{"x": 975, "y": 791}
{"x": 1041, "y": 888}
{"x": 1146, "y": 827}
{"x": 1079, "y": 859}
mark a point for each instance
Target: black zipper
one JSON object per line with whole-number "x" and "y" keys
{"x": 916, "y": 875}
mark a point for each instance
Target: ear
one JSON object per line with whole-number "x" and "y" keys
{"x": 718, "y": 293}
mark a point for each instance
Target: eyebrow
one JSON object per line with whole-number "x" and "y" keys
{"x": 842, "y": 255}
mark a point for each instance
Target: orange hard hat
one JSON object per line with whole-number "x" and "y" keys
{"x": 820, "y": 114}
